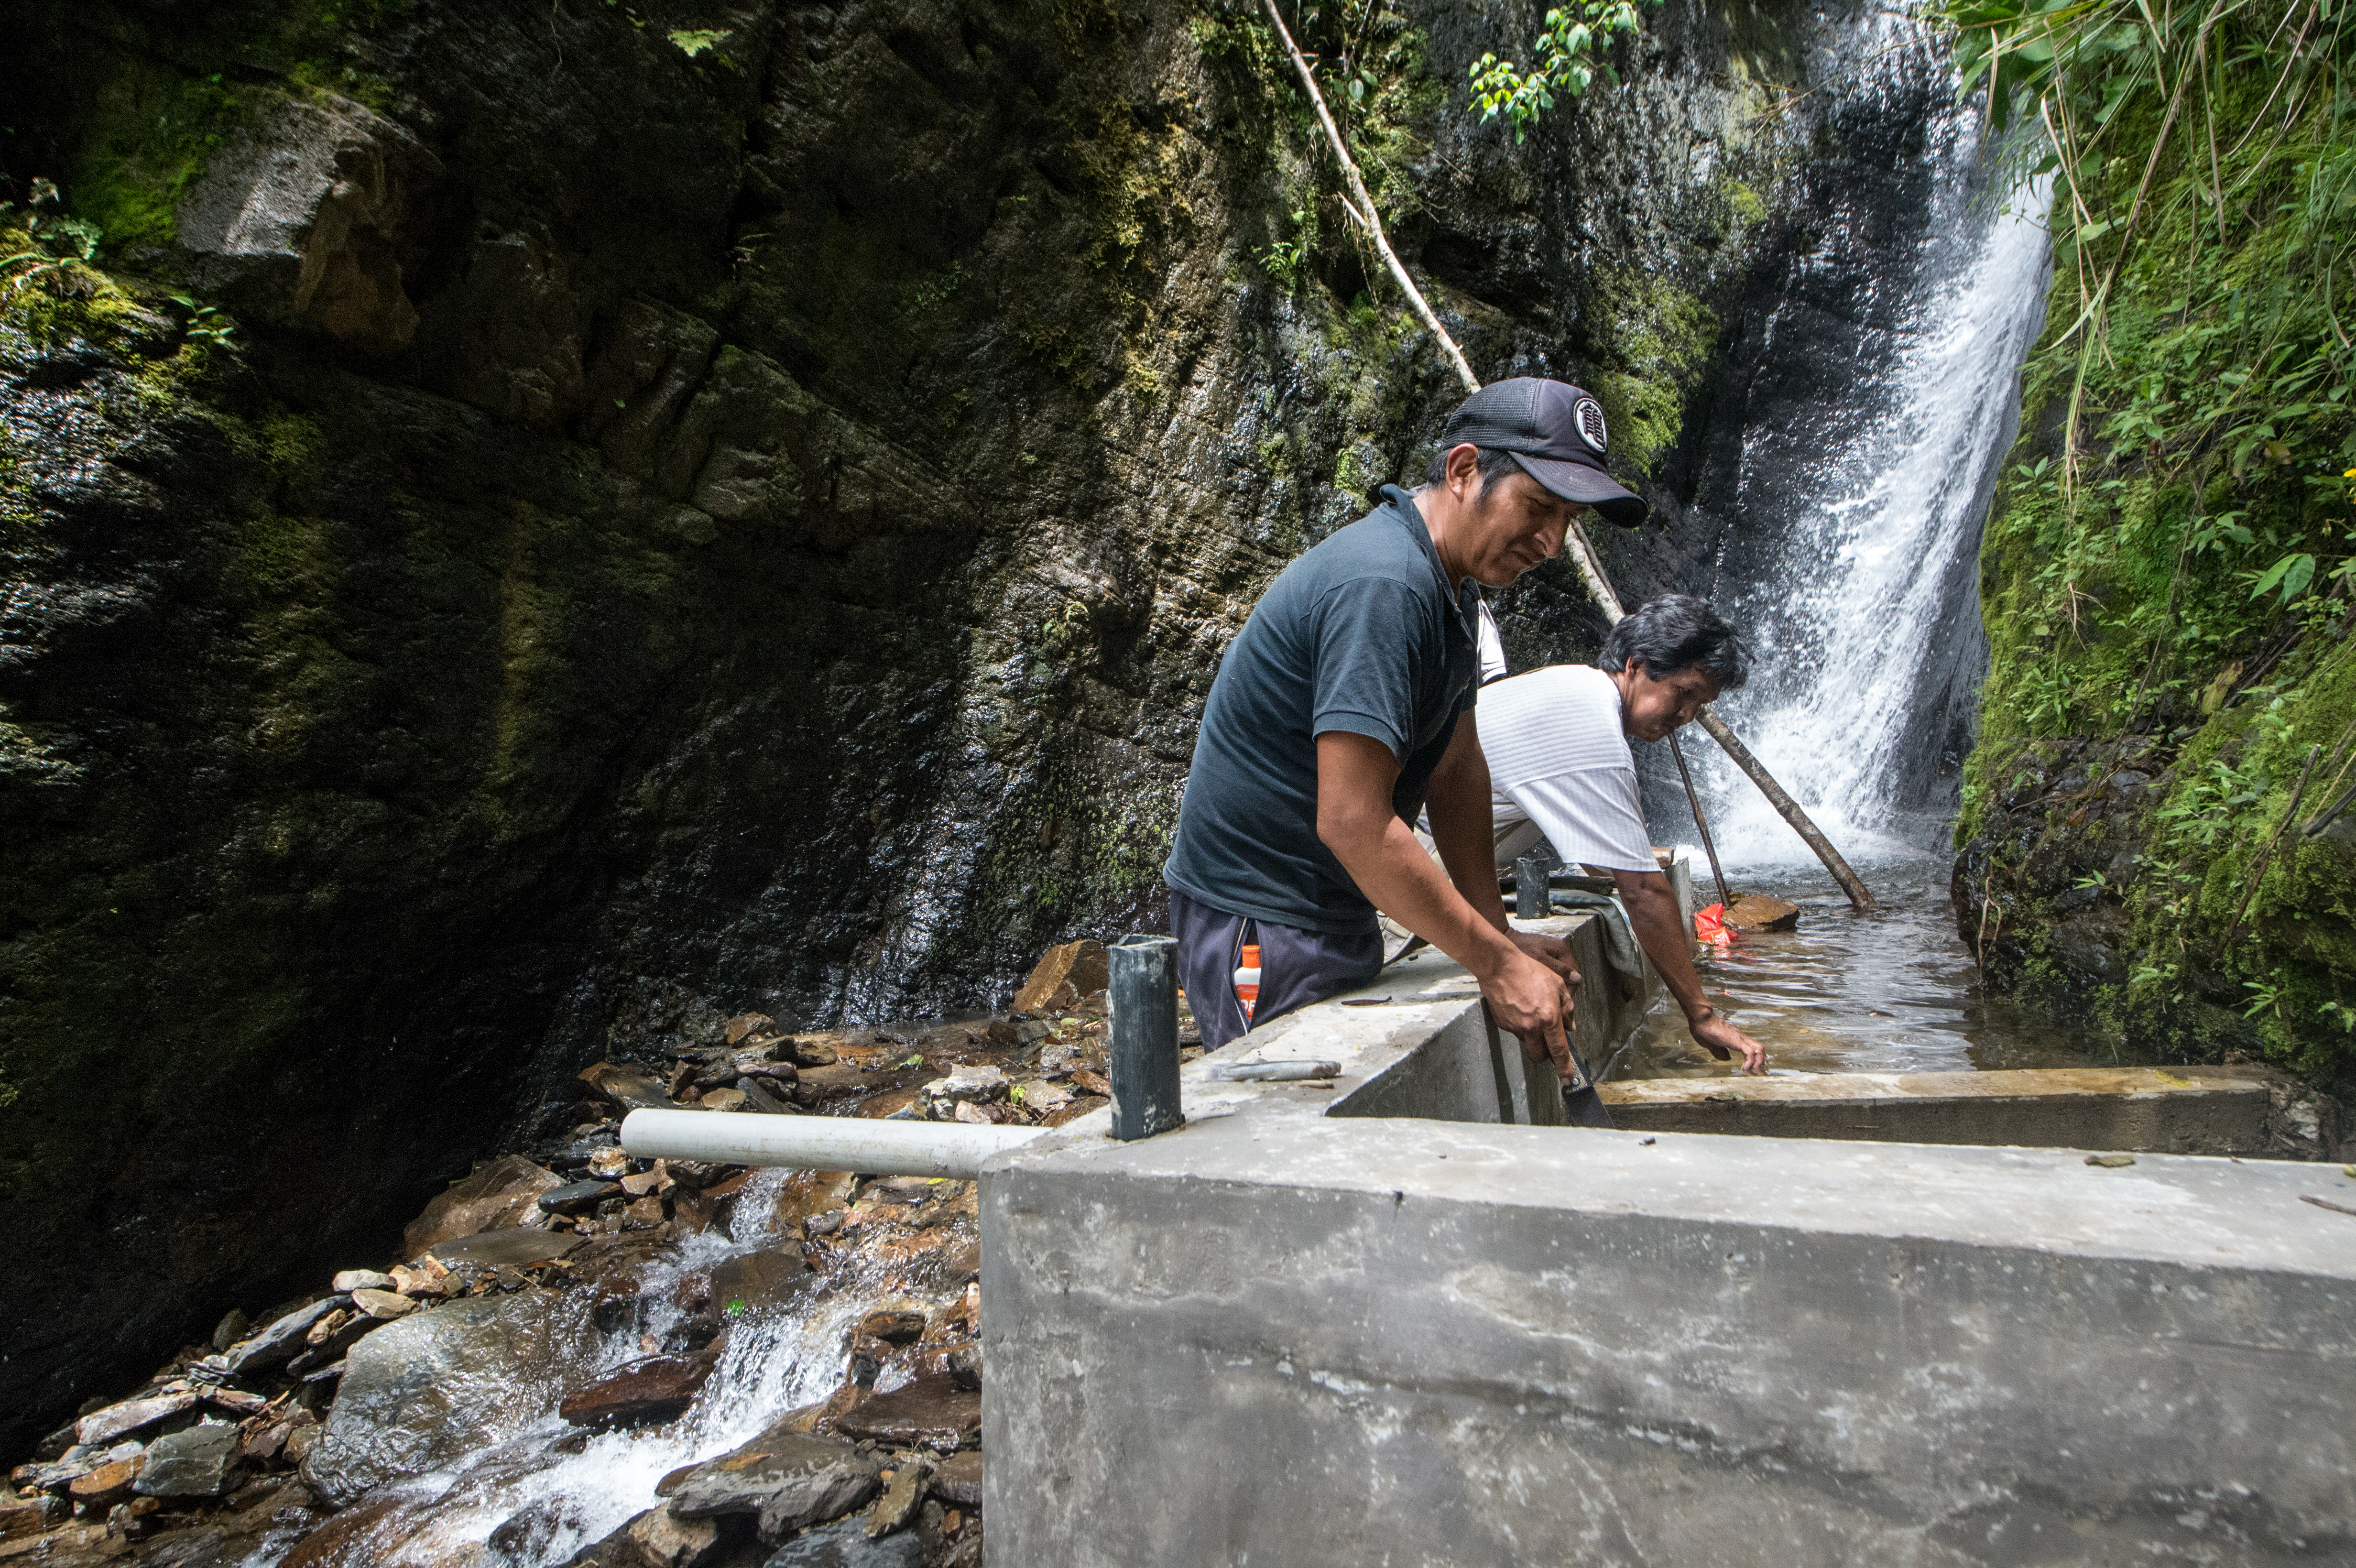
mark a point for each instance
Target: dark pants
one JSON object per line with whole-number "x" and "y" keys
{"x": 1296, "y": 968}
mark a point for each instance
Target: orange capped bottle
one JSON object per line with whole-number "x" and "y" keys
{"x": 1247, "y": 980}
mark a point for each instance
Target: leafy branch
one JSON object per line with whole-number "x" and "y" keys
{"x": 1569, "y": 59}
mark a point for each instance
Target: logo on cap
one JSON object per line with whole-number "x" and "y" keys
{"x": 1587, "y": 415}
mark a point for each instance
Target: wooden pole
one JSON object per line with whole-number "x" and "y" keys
{"x": 1701, "y": 824}
{"x": 1360, "y": 205}
{"x": 1788, "y": 808}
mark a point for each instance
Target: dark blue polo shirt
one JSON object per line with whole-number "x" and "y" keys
{"x": 1364, "y": 633}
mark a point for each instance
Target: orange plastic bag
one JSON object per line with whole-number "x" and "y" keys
{"x": 1709, "y": 925}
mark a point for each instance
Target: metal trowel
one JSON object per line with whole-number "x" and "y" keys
{"x": 1582, "y": 1105}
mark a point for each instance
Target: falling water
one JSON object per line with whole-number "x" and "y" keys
{"x": 1866, "y": 624}
{"x": 553, "y": 1502}
{"x": 1864, "y": 614}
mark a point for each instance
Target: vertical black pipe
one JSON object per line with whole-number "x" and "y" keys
{"x": 1530, "y": 900}
{"x": 1144, "y": 994}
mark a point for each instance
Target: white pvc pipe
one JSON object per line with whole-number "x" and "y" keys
{"x": 820, "y": 1143}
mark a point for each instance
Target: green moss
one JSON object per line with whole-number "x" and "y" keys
{"x": 151, "y": 125}
{"x": 1651, "y": 340}
{"x": 149, "y": 137}
{"x": 2214, "y": 413}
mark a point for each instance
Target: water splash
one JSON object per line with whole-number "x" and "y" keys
{"x": 525, "y": 1502}
{"x": 1867, "y": 621}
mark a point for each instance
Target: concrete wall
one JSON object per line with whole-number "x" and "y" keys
{"x": 1418, "y": 1042}
{"x": 2141, "y": 1108}
{"x": 1281, "y": 1335}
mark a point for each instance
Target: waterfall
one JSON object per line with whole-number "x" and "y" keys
{"x": 1864, "y": 614}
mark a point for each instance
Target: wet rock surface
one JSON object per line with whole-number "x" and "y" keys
{"x": 785, "y": 1478}
{"x": 932, "y": 1411}
{"x": 396, "y": 1408}
{"x": 418, "y": 1393}
{"x": 194, "y": 1463}
{"x": 848, "y": 1545}
{"x": 579, "y": 602}
{"x": 646, "y": 1394}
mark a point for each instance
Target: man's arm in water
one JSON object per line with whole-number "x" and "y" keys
{"x": 1355, "y": 775}
{"x": 1652, "y": 910}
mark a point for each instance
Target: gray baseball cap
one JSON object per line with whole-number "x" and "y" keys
{"x": 1556, "y": 433}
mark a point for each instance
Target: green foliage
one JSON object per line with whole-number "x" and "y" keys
{"x": 2174, "y": 547}
{"x": 1570, "y": 53}
{"x": 693, "y": 41}
{"x": 1287, "y": 261}
{"x": 205, "y": 323}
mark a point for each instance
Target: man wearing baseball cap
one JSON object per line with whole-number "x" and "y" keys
{"x": 1344, "y": 707}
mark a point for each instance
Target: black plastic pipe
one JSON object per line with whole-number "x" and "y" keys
{"x": 1143, "y": 991}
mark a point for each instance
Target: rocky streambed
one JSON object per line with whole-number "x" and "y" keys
{"x": 580, "y": 1358}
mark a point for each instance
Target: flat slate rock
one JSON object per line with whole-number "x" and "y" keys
{"x": 194, "y": 1463}
{"x": 578, "y": 1197}
{"x": 101, "y": 1427}
{"x": 646, "y": 1394}
{"x": 773, "y": 1276}
{"x": 931, "y": 1410}
{"x": 494, "y": 1198}
{"x": 508, "y": 1249}
{"x": 627, "y": 1087}
{"x": 277, "y": 1343}
{"x": 845, "y": 1545}
{"x": 790, "y": 1479}
{"x": 958, "y": 1480}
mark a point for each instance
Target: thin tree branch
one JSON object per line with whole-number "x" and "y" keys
{"x": 1361, "y": 205}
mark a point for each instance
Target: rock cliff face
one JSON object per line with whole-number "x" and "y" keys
{"x": 693, "y": 507}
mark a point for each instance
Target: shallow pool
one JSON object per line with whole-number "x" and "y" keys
{"x": 1892, "y": 989}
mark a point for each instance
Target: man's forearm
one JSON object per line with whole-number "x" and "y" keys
{"x": 1391, "y": 869}
{"x": 1652, "y": 910}
{"x": 1457, "y": 803}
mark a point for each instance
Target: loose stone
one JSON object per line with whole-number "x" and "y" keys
{"x": 902, "y": 1499}
{"x": 104, "y": 1426}
{"x": 958, "y": 1480}
{"x": 21, "y": 1517}
{"x": 197, "y": 1463}
{"x": 646, "y": 1394}
{"x": 107, "y": 1485}
{"x": 846, "y": 1545}
{"x": 931, "y": 1411}
{"x": 788, "y": 1478}
{"x": 577, "y": 1196}
{"x": 494, "y": 1198}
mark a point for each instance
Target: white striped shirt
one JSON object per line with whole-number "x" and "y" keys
{"x": 1560, "y": 768}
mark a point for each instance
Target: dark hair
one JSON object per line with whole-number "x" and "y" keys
{"x": 1675, "y": 633}
{"x": 1491, "y": 459}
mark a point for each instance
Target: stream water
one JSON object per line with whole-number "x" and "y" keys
{"x": 1889, "y": 989}
{"x": 525, "y": 1501}
{"x": 1865, "y": 620}
{"x": 1868, "y": 635}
